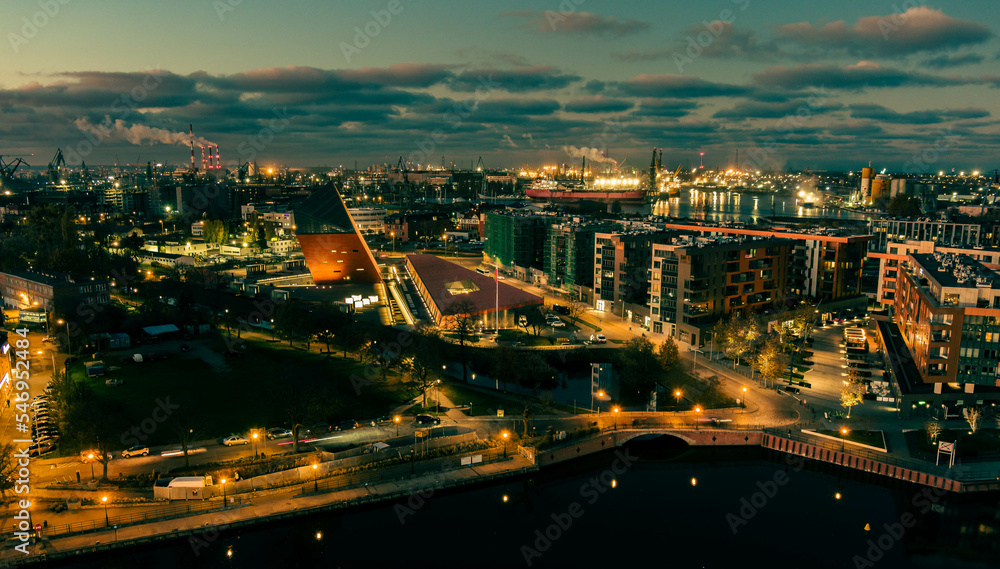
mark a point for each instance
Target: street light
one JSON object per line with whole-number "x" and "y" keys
{"x": 396, "y": 420}
{"x": 600, "y": 395}
{"x": 254, "y": 437}
{"x": 393, "y": 241}
{"x": 316, "y": 477}
{"x": 744, "y": 399}
{"x": 697, "y": 410}
{"x": 843, "y": 438}
{"x": 224, "y": 500}
{"x": 677, "y": 397}
{"x": 615, "y": 411}
{"x": 505, "y": 435}
{"x": 104, "y": 500}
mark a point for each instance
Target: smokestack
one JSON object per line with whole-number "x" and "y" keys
{"x": 583, "y": 168}
{"x": 191, "y": 129}
{"x": 202, "y": 157}
{"x": 218, "y": 160}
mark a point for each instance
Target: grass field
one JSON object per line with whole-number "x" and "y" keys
{"x": 252, "y": 393}
{"x": 482, "y": 403}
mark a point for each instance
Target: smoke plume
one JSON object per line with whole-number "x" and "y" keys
{"x": 591, "y": 154}
{"x": 137, "y": 133}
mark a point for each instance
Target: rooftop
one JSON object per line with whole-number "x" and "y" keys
{"x": 447, "y": 282}
{"x": 955, "y": 271}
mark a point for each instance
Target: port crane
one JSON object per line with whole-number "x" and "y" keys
{"x": 7, "y": 168}
{"x": 57, "y": 162}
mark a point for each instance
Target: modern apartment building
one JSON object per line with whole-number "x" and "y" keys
{"x": 370, "y": 220}
{"x": 568, "y": 260}
{"x": 622, "y": 261}
{"x": 516, "y": 239}
{"x": 696, "y": 281}
{"x": 824, "y": 264}
{"x": 29, "y": 290}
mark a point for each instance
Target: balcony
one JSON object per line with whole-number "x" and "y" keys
{"x": 940, "y": 336}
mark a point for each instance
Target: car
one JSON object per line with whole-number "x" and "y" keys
{"x": 383, "y": 420}
{"x": 600, "y": 339}
{"x": 557, "y": 324}
{"x": 49, "y": 339}
{"x": 138, "y": 450}
{"x": 321, "y": 428}
{"x": 233, "y": 440}
{"x": 791, "y": 389}
{"x": 348, "y": 425}
{"x": 560, "y": 309}
{"x": 38, "y": 449}
{"x": 278, "y": 433}
{"x": 859, "y": 365}
{"x": 428, "y": 420}
{"x": 185, "y": 348}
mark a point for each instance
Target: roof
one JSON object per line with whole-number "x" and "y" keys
{"x": 439, "y": 277}
{"x": 161, "y": 329}
{"x": 323, "y": 212}
{"x": 187, "y": 482}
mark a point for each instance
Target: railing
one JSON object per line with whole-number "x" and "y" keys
{"x": 403, "y": 471}
{"x": 960, "y": 473}
{"x": 150, "y": 514}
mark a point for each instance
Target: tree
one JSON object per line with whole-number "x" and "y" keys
{"x": 424, "y": 359}
{"x": 576, "y": 311}
{"x": 132, "y": 242}
{"x": 288, "y": 321}
{"x": 640, "y": 366}
{"x": 526, "y": 416}
{"x": 933, "y": 429}
{"x": 8, "y": 468}
{"x": 974, "y": 416}
{"x": 771, "y": 362}
{"x": 851, "y": 394}
{"x": 460, "y": 318}
{"x": 381, "y": 357}
{"x": 669, "y": 354}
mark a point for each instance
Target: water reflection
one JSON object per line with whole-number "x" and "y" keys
{"x": 716, "y": 205}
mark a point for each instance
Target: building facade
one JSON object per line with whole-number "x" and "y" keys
{"x": 29, "y": 290}
{"x": 516, "y": 239}
{"x": 568, "y": 261}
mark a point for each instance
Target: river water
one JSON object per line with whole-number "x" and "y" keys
{"x": 748, "y": 508}
{"x": 731, "y": 206}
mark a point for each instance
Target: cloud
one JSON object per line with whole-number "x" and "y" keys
{"x": 883, "y": 114}
{"x": 659, "y": 107}
{"x": 138, "y": 134}
{"x": 762, "y": 110}
{"x": 584, "y": 23}
{"x": 516, "y": 80}
{"x": 597, "y": 104}
{"x": 723, "y": 40}
{"x": 864, "y": 74}
{"x": 671, "y": 85}
{"x": 918, "y": 29}
{"x": 947, "y": 61}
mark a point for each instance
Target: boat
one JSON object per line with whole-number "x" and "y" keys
{"x": 547, "y": 189}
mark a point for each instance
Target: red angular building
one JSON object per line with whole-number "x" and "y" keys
{"x": 333, "y": 247}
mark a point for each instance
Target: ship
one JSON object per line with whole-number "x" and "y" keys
{"x": 603, "y": 190}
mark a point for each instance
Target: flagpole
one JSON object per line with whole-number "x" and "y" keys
{"x": 496, "y": 282}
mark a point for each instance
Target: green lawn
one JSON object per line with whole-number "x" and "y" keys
{"x": 482, "y": 403}
{"x": 251, "y": 394}
{"x": 985, "y": 440}
{"x": 870, "y": 438}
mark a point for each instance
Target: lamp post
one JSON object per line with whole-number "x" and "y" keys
{"x": 104, "y": 500}
{"x": 843, "y": 438}
{"x": 615, "y": 410}
{"x": 396, "y": 420}
{"x": 393, "y": 233}
{"x": 677, "y": 397}
{"x": 224, "y": 500}
{"x": 254, "y": 437}
{"x": 600, "y": 395}
{"x": 315, "y": 477}
{"x": 697, "y": 411}
{"x": 505, "y": 435}
{"x": 90, "y": 457}
{"x": 69, "y": 339}
{"x": 437, "y": 398}
{"x": 744, "y": 399}
{"x": 272, "y": 329}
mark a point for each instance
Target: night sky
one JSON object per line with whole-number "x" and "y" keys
{"x": 791, "y": 84}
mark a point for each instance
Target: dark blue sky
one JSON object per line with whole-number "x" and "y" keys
{"x": 799, "y": 84}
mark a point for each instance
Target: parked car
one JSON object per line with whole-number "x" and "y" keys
{"x": 38, "y": 449}
{"x": 233, "y": 440}
{"x": 791, "y": 389}
{"x": 383, "y": 420}
{"x": 560, "y": 309}
{"x": 321, "y": 428}
{"x": 278, "y": 433}
{"x": 428, "y": 420}
{"x": 859, "y": 365}
{"x": 348, "y": 425}
{"x": 600, "y": 339}
{"x": 557, "y": 324}
{"x": 138, "y": 450}
{"x": 49, "y": 339}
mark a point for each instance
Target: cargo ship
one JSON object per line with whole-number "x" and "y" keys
{"x": 603, "y": 190}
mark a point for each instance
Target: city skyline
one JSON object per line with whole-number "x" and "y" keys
{"x": 908, "y": 86}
